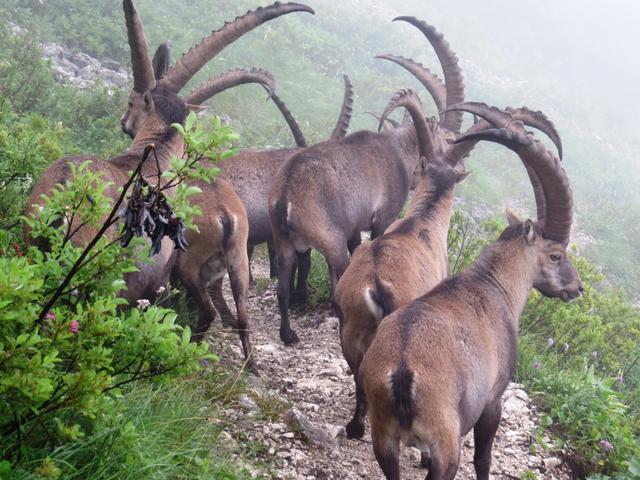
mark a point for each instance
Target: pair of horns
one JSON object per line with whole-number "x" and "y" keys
{"x": 554, "y": 199}
{"x": 191, "y": 62}
{"x": 444, "y": 94}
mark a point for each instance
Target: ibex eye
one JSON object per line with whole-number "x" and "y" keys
{"x": 130, "y": 105}
{"x": 555, "y": 257}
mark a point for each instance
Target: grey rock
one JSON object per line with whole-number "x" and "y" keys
{"x": 312, "y": 433}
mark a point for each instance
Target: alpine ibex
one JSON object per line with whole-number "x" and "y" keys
{"x": 324, "y": 196}
{"x": 251, "y": 172}
{"x": 438, "y": 366}
{"x": 406, "y": 261}
{"x": 154, "y": 105}
{"x": 411, "y": 257}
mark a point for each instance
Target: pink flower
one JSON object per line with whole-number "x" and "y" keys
{"x": 50, "y": 316}
{"x": 536, "y": 365}
{"x": 74, "y": 327}
{"x": 606, "y": 446}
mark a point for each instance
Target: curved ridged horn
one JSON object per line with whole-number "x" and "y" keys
{"x": 494, "y": 117}
{"x": 192, "y": 61}
{"x": 293, "y": 125}
{"x": 229, "y": 79}
{"x": 502, "y": 118}
{"x": 388, "y": 121}
{"x": 141, "y": 66}
{"x": 540, "y": 121}
{"x": 162, "y": 60}
{"x": 430, "y": 80}
{"x": 342, "y": 125}
{"x": 555, "y": 183}
{"x": 409, "y": 99}
{"x": 453, "y": 80}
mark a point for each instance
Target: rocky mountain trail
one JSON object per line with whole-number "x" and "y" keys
{"x": 295, "y": 411}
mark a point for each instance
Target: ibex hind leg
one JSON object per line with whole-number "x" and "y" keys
{"x": 300, "y": 294}
{"x": 355, "y": 428}
{"x": 386, "y": 447}
{"x": 215, "y": 291}
{"x": 273, "y": 260}
{"x": 252, "y": 281}
{"x": 239, "y": 278}
{"x": 484, "y": 432}
{"x": 445, "y": 457}
{"x": 197, "y": 292}
{"x": 286, "y": 258}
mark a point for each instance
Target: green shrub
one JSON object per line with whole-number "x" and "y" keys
{"x": 172, "y": 431}
{"x": 27, "y": 145}
{"x": 319, "y": 280}
{"x": 63, "y": 367}
{"x": 587, "y": 409}
{"x": 67, "y": 345}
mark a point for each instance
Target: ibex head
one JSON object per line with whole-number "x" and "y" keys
{"x": 431, "y": 168}
{"x": 148, "y": 97}
{"x": 555, "y": 275}
{"x": 545, "y": 240}
{"x": 155, "y": 77}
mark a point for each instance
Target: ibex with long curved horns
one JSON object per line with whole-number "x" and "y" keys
{"x": 438, "y": 366}
{"x": 154, "y": 105}
{"x": 411, "y": 257}
{"x": 405, "y": 262}
{"x": 325, "y": 196}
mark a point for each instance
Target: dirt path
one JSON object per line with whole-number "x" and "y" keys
{"x": 312, "y": 377}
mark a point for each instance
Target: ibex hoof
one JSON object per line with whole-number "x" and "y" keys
{"x": 425, "y": 460}
{"x": 355, "y": 429}
{"x": 289, "y": 337}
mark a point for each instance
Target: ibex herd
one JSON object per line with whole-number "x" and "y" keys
{"x": 431, "y": 355}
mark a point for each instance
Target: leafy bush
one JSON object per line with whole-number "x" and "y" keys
{"x": 587, "y": 408}
{"x": 67, "y": 345}
{"x": 26, "y": 77}
{"x": 64, "y": 367}
{"x": 172, "y": 431}
{"x": 27, "y": 146}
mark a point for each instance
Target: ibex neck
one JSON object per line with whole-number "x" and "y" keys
{"x": 428, "y": 221}
{"x": 505, "y": 271}
{"x": 167, "y": 142}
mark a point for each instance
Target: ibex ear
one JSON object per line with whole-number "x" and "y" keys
{"x": 460, "y": 176}
{"x": 147, "y": 98}
{"x": 161, "y": 60}
{"x": 512, "y": 217}
{"x": 529, "y": 231}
